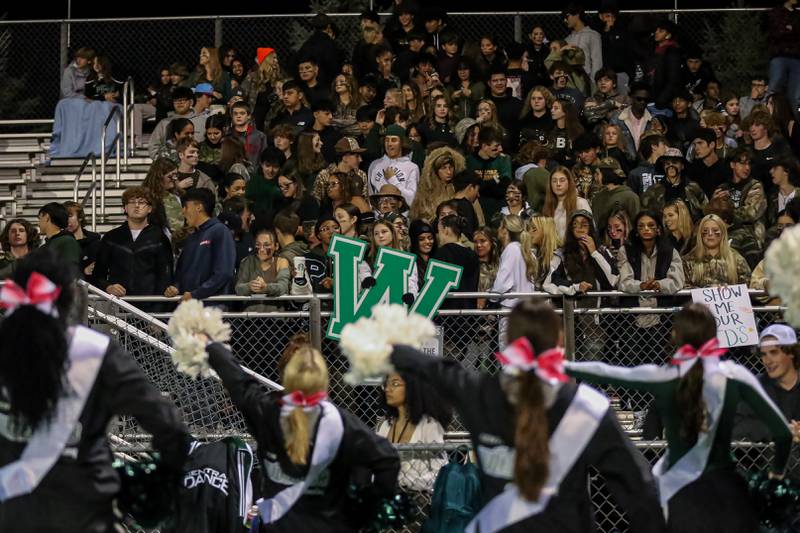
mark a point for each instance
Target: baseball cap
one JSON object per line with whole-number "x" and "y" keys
{"x": 348, "y": 145}
{"x": 203, "y": 88}
{"x": 783, "y": 336}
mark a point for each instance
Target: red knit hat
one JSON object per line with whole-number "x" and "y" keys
{"x": 262, "y": 53}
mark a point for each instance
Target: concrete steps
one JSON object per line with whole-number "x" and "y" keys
{"x": 29, "y": 180}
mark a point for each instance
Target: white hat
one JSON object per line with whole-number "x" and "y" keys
{"x": 784, "y": 335}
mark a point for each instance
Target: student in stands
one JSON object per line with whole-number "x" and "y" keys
{"x": 53, "y": 222}
{"x": 135, "y": 258}
{"x": 208, "y": 260}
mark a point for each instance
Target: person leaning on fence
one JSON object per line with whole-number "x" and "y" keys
{"x": 304, "y": 438}
{"x": 780, "y": 355}
{"x": 518, "y": 447}
{"x": 518, "y": 267}
{"x": 648, "y": 262}
{"x": 696, "y": 396}
{"x": 135, "y": 258}
{"x": 712, "y": 262}
{"x": 414, "y": 414}
{"x": 208, "y": 260}
{"x": 583, "y": 265}
{"x": 263, "y": 272}
{"x": 61, "y": 387}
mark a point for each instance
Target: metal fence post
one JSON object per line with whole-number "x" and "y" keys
{"x": 64, "y": 47}
{"x": 315, "y": 322}
{"x": 569, "y": 326}
{"x": 218, "y": 32}
{"x": 518, "y": 28}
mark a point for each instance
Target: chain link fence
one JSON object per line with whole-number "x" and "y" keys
{"x": 33, "y": 54}
{"x": 421, "y": 461}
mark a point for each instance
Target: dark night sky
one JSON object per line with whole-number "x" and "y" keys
{"x": 91, "y": 9}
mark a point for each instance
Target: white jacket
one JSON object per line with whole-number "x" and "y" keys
{"x": 420, "y": 474}
{"x": 404, "y": 175}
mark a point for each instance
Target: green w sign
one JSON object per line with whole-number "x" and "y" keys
{"x": 391, "y": 272}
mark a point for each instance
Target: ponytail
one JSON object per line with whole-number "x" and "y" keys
{"x": 693, "y": 325}
{"x": 536, "y": 320}
{"x": 531, "y": 439}
{"x": 691, "y": 405}
{"x": 518, "y": 233}
{"x": 297, "y": 438}
{"x": 306, "y": 372}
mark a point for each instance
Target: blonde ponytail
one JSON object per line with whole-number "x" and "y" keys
{"x": 306, "y": 372}
{"x": 518, "y": 233}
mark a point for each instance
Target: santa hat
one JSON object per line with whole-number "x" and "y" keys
{"x": 262, "y": 53}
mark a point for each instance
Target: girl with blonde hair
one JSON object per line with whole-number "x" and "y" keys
{"x": 436, "y": 182}
{"x": 614, "y": 144}
{"x": 487, "y": 116}
{"x": 542, "y": 231}
{"x": 712, "y": 261}
{"x": 678, "y": 223}
{"x": 305, "y": 440}
{"x": 518, "y": 268}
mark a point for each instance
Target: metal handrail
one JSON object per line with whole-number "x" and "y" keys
{"x": 666, "y": 11}
{"x": 138, "y": 313}
{"x": 127, "y": 121}
{"x": 258, "y": 298}
{"x": 104, "y": 155}
{"x": 92, "y": 187}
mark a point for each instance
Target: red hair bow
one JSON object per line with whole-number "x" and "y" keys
{"x": 40, "y": 292}
{"x": 298, "y": 399}
{"x": 687, "y": 352}
{"x": 549, "y": 365}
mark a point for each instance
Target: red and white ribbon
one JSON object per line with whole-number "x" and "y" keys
{"x": 549, "y": 365}
{"x": 40, "y": 292}
{"x": 688, "y": 352}
{"x": 298, "y": 399}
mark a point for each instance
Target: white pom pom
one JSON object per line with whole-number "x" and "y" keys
{"x": 368, "y": 342}
{"x": 190, "y": 319}
{"x": 783, "y": 270}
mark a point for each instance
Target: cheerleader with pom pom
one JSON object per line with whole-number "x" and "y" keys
{"x": 310, "y": 450}
{"x": 535, "y": 434}
{"x": 696, "y": 396}
{"x": 60, "y": 387}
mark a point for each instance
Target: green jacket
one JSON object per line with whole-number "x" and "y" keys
{"x": 262, "y": 192}
{"x": 537, "y": 181}
{"x": 66, "y": 247}
{"x": 607, "y": 201}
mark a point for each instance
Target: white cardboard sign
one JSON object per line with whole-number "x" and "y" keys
{"x": 731, "y": 307}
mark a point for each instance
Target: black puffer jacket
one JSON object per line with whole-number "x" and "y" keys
{"x": 666, "y": 73}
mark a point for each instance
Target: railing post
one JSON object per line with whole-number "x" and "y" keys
{"x": 569, "y": 326}
{"x": 218, "y": 32}
{"x": 315, "y": 322}
{"x": 64, "y": 48}
{"x": 103, "y": 170}
{"x": 116, "y": 148}
{"x": 125, "y": 123}
{"x": 518, "y": 28}
{"x": 94, "y": 194}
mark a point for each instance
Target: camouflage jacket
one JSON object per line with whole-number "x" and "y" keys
{"x": 585, "y": 181}
{"x": 693, "y": 196}
{"x": 320, "y": 191}
{"x": 750, "y": 206}
{"x": 712, "y": 272}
